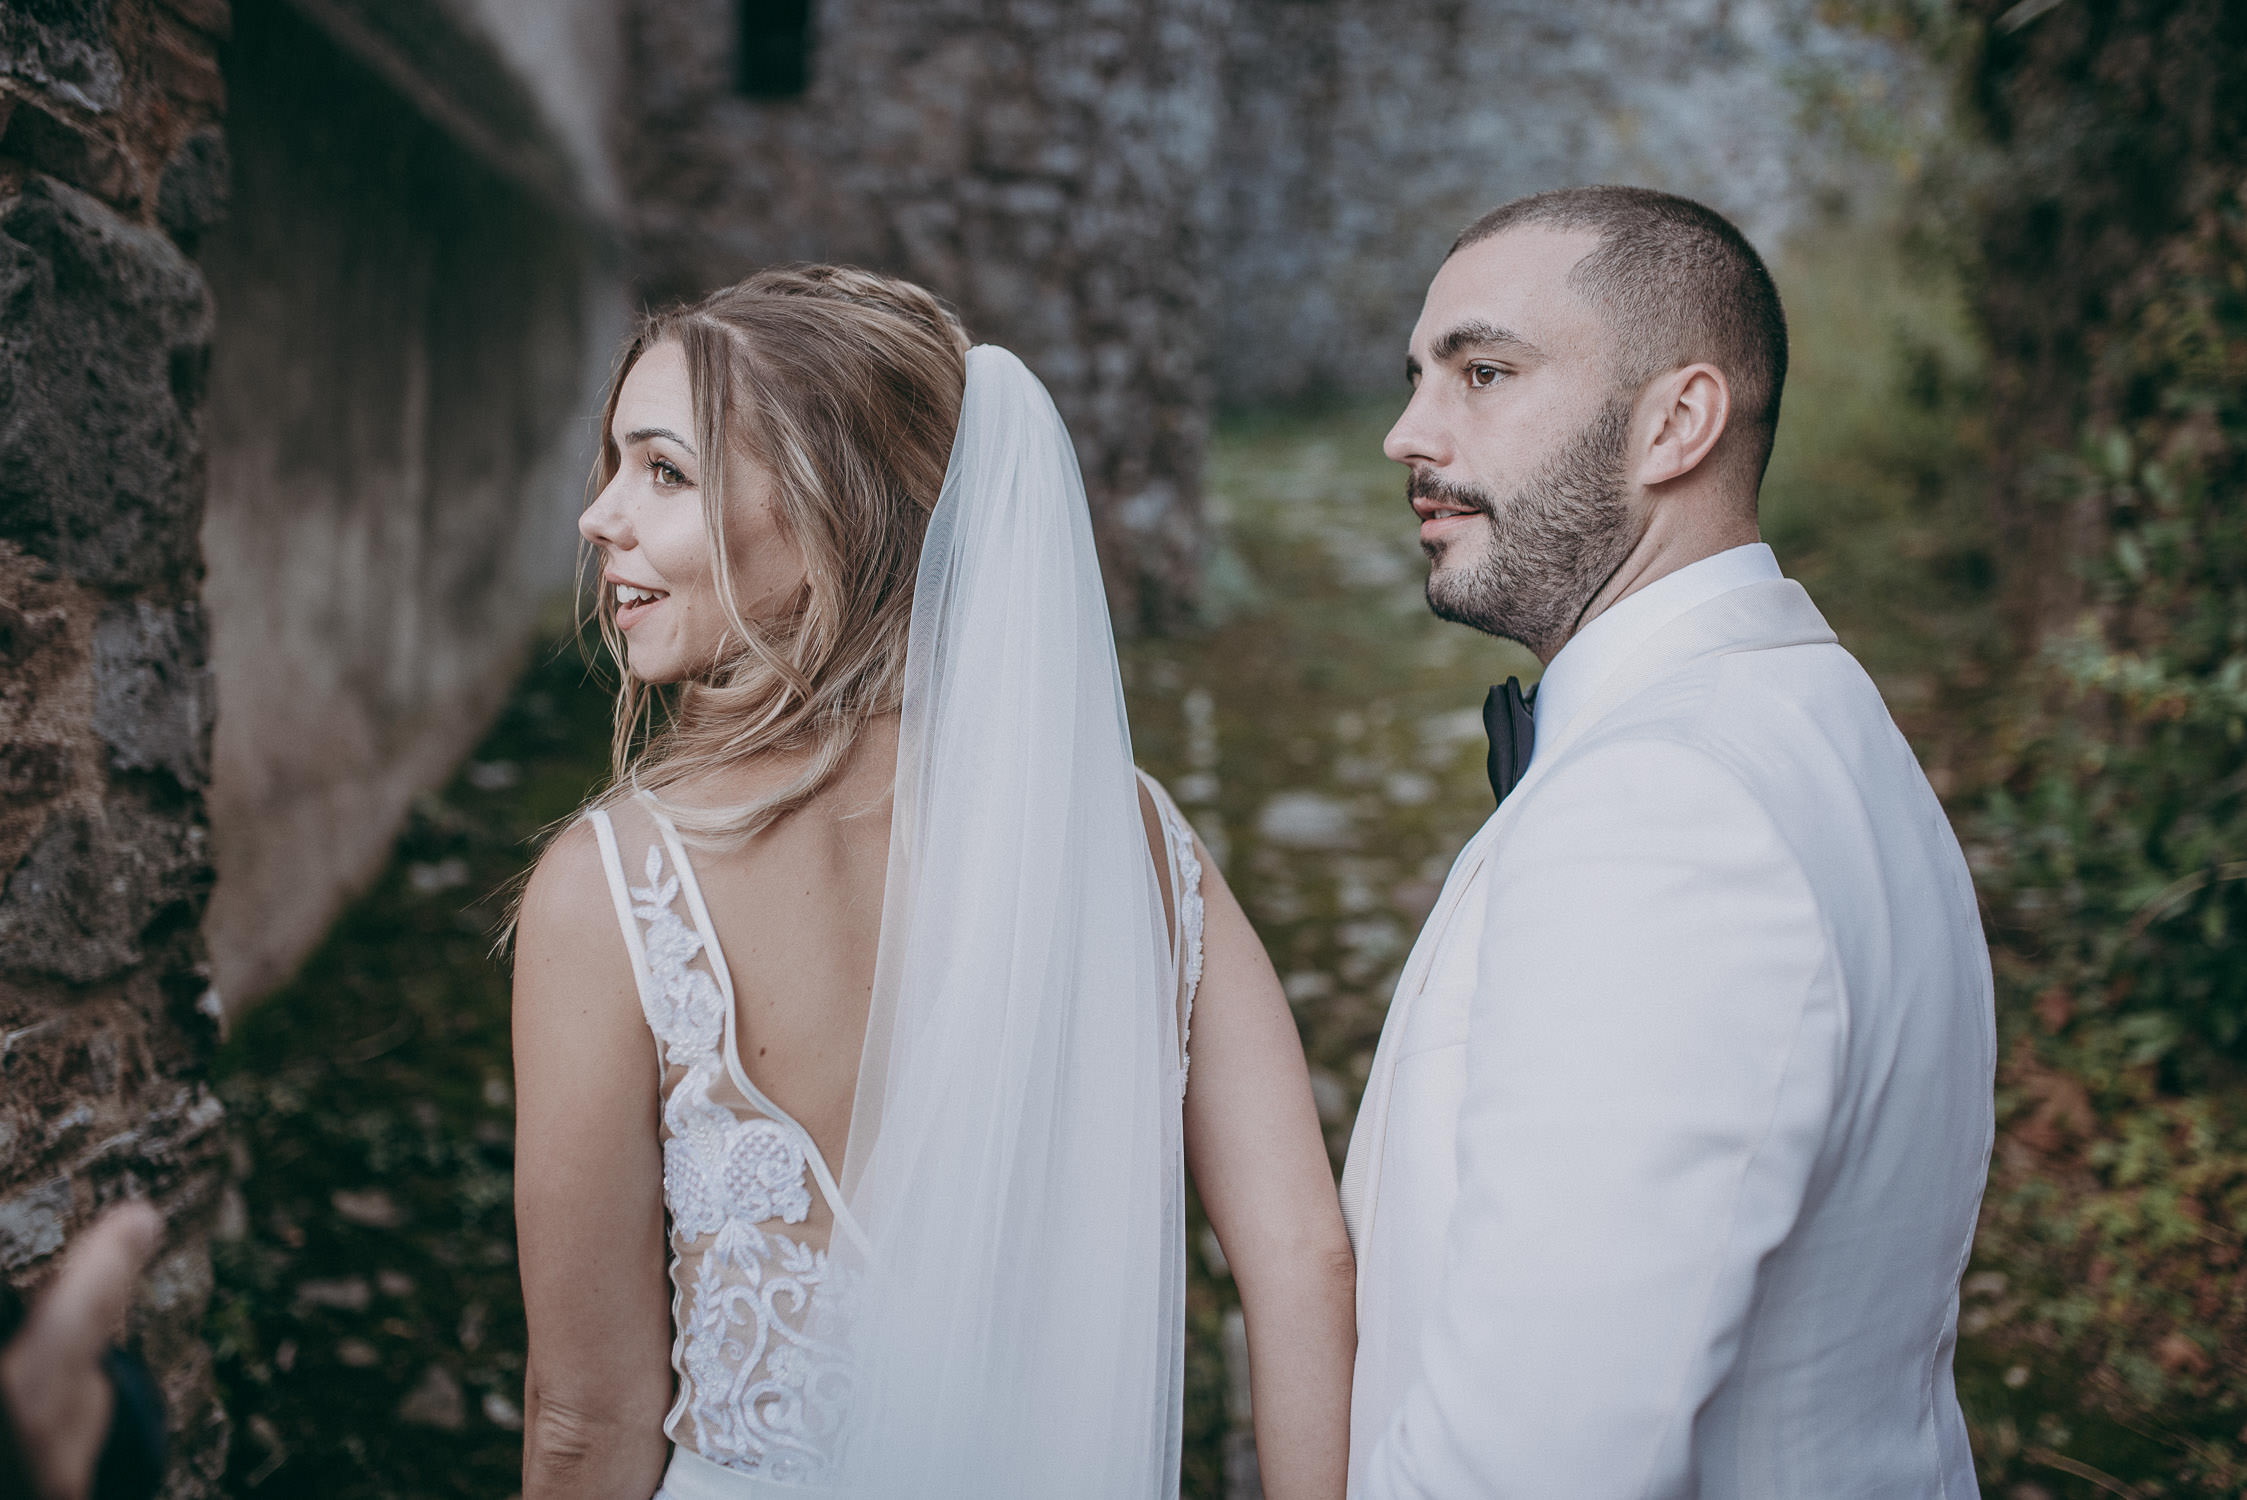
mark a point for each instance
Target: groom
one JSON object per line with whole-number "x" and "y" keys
{"x": 1670, "y": 1157}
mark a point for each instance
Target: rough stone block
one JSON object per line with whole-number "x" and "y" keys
{"x": 84, "y": 158}
{"x": 212, "y": 17}
{"x": 31, "y": 1223}
{"x": 184, "y": 69}
{"x": 104, "y": 341}
{"x": 191, "y": 198}
{"x": 152, "y": 690}
{"x": 76, "y": 907}
{"x": 32, "y": 769}
{"x": 62, "y": 48}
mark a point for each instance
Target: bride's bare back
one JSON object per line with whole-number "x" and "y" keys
{"x": 798, "y": 912}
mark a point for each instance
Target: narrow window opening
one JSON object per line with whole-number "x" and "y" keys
{"x": 772, "y": 58}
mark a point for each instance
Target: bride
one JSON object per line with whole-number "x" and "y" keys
{"x": 852, "y": 1024}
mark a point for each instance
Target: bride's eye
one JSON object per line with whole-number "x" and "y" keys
{"x": 667, "y": 475}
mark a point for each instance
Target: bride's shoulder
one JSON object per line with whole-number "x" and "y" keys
{"x": 566, "y": 903}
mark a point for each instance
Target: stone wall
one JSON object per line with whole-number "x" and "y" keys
{"x": 1047, "y": 165}
{"x": 110, "y": 169}
{"x": 416, "y": 301}
{"x": 1166, "y": 204}
{"x": 1362, "y": 135}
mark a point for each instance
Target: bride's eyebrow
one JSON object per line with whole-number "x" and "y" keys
{"x": 642, "y": 434}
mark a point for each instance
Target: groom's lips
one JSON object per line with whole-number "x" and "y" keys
{"x": 1440, "y": 517}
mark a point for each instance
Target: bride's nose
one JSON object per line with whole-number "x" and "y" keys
{"x": 604, "y": 523}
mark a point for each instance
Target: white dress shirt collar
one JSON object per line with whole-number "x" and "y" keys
{"x": 1611, "y": 638}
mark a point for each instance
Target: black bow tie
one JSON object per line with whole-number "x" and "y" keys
{"x": 1513, "y": 731}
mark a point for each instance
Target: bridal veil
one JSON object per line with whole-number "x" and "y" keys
{"x": 1014, "y": 1151}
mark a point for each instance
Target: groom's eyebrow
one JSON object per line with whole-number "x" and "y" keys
{"x": 1480, "y": 337}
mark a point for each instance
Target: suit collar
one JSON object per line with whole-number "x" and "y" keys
{"x": 1756, "y": 617}
{"x": 1625, "y": 628}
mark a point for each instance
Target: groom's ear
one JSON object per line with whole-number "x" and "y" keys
{"x": 1684, "y": 413}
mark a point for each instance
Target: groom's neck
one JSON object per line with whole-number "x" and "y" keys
{"x": 1677, "y": 536}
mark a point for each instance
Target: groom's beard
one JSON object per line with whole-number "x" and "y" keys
{"x": 1551, "y": 546}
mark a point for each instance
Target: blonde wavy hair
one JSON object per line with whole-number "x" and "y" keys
{"x": 846, "y": 386}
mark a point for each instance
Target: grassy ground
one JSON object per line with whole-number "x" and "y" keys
{"x": 1321, "y": 729}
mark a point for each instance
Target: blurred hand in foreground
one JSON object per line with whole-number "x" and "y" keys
{"x": 55, "y": 1395}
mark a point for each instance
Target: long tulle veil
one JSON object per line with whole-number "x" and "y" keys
{"x": 1015, "y": 1149}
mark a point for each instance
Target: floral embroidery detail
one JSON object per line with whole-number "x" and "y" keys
{"x": 1191, "y": 914}
{"x": 761, "y": 1353}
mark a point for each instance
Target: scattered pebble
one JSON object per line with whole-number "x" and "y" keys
{"x": 340, "y": 1294}
{"x": 1305, "y": 820}
{"x": 427, "y": 877}
{"x": 394, "y": 1283}
{"x": 471, "y": 1331}
{"x": 357, "y": 1353}
{"x": 502, "y": 1413}
{"x": 370, "y": 1208}
{"x": 1410, "y": 788}
{"x": 436, "y": 1402}
{"x": 493, "y": 775}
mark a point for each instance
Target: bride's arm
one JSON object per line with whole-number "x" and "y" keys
{"x": 588, "y": 1193}
{"x": 1252, "y": 1139}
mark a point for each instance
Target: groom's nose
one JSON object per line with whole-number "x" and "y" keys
{"x": 1415, "y": 441}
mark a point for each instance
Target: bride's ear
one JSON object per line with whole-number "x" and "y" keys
{"x": 1689, "y": 410}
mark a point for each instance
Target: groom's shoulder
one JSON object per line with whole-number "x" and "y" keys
{"x": 1796, "y": 719}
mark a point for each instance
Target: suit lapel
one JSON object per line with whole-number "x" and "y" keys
{"x": 1361, "y": 1170}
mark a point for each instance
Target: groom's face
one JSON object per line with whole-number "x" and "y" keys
{"x": 1516, "y": 437}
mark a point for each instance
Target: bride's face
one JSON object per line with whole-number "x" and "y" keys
{"x": 655, "y": 550}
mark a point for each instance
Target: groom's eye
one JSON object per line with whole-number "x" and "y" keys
{"x": 1482, "y": 377}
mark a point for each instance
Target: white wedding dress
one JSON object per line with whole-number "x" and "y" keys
{"x": 760, "y": 1310}
{"x": 988, "y": 1298}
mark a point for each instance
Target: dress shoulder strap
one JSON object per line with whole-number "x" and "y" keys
{"x": 620, "y": 894}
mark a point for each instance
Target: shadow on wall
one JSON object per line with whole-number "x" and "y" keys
{"x": 409, "y": 331}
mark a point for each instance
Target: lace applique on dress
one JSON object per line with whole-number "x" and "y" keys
{"x": 1190, "y": 913}
{"x": 761, "y": 1318}
{"x": 1186, "y": 865}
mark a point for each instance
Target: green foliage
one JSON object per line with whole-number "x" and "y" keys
{"x": 2115, "y": 855}
{"x": 2125, "y": 825}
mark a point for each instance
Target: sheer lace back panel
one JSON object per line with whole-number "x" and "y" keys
{"x": 759, "y": 1307}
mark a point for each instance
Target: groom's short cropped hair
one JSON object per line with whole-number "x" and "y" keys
{"x": 1677, "y": 284}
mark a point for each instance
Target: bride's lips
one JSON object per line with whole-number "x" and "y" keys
{"x": 634, "y": 601}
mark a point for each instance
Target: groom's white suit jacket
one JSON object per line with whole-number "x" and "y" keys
{"x": 1670, "y": 1157}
